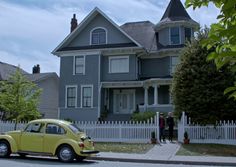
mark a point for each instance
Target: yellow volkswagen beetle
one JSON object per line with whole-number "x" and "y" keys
{"x": 48, "y": 137}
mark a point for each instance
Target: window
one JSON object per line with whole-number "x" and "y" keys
{"x": 98, "y": 36}
{"x": 71, "y": 96}
{"x": 87, "y": 95}
{"x": 187, "y": 34}
{"x": 35, "y": 128}
{"x": 119, "y": 64}
{"x": 54, "y": 129}
{"x": 79, "y": 64}
{"x": 174, "y": 62}
{"x": 174, "y": 36}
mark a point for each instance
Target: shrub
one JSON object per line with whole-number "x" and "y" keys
{"x": 143, "y": 116}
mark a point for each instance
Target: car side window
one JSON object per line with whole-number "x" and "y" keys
{"x": 54, "y": 129}
{"x": 35, "y": 128}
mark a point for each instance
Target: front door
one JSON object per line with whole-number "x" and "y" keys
{"x": 123, "y": 101}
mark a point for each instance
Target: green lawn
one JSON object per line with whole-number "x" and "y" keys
{"x": 207, "y": 149}
{"x": 123, "y": 147}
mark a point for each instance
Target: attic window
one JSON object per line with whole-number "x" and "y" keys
{"x": 98, "y": 36}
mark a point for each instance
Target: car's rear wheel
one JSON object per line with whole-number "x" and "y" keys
{"x": 5, "y": 149}
{"x": 66, "y": 153}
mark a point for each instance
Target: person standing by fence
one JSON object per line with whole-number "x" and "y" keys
{"x": 162, "y": 127}
{"x": 170, "y": 122}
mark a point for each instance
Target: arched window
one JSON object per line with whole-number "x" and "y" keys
{"x": 98, "y": 36}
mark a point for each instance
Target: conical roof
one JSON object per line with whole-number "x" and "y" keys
{"x": 175, "y": 12}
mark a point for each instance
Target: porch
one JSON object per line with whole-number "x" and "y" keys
{"x": 123, "y": 98}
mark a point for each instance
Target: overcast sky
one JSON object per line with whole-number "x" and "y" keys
{"x": 31, "y": 29}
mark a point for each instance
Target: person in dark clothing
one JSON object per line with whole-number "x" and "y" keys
{"x": 170, "y": 122}
{"x": 162, "y": 127}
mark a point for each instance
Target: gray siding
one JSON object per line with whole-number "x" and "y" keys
{"x": 90, "y": 78}
{"x": 113, "y": 34}
{"x": 106, "y": 76}
{"x": 48, "y": 105}
{"x": 158, "y": 67}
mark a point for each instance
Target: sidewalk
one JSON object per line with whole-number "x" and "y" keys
{"x": 165, "y": 153}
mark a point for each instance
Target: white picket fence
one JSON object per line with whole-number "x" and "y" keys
{"x": 224, "y": 132}
{"x": 9, "y": 126}
{"x": 118, "y": 131}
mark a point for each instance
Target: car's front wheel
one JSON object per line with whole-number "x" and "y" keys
{"x": 5, "y": 149}
{"x": 66, "y": 153}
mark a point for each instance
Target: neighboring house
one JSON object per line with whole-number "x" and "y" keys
{"x": 115, "y": 69}
{"x": 48, "y": 82}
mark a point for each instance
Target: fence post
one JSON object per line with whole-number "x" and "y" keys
{"x": 157, "y": 125}
{"x": 183, "y": 128}
{"x": 120, "y": 131}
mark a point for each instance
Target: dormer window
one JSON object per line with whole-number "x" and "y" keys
{"x": 98, "y": 36}
{"x": 174, "y": 36}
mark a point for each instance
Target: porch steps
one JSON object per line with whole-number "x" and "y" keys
{"x": 118, "y": 117}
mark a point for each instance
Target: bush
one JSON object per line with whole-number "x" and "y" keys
{"x": 143, "y": 116}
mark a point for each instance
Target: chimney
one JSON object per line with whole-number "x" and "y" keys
{"x": 73, "y": 23}
{"x": 36, "y": 69}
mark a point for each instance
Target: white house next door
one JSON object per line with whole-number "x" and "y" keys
{"x": 124, "y": 101}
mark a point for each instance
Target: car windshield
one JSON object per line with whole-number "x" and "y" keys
{"x": 74, "y": 128}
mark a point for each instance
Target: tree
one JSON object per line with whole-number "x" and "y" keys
{"x": 198, "y": 86}
{"x": 222, "y": 36}
{"x": 19, "y": 98}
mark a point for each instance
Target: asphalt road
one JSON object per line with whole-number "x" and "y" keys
{"x": 51, "y": 162}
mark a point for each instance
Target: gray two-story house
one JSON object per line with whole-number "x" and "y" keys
{"x": 118, "y": 69}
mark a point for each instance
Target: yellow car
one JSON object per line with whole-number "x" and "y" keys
{"x": 48, "y": 137}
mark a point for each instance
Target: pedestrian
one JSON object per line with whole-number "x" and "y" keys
{"x": 162, "y": 127}
{"x": 170, "y": 122}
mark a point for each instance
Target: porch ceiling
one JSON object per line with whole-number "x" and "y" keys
{"x": 122, "y": 84}
{"x": 135, "y": 84}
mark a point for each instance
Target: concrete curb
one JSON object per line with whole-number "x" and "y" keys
{"x": 163, "y": 161}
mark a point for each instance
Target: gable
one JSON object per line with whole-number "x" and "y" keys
{"x": 79, "y": 39}
{"x": 114, "y": 36}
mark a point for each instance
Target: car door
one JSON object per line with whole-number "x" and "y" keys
{"x": 53, "y": 134}
{"x": 32, "y": 138}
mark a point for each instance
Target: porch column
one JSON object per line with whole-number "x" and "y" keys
{"x": 146, "y": 96}
{"x": 155, "y": 94}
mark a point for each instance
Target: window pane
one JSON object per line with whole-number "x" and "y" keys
{"x": 87, "y": 91}
{"x": 95, "y": 38}
{"x": 187, "y": 32}
{"x": 98, "y": 36}
{"x": 174, "y": 32}
{"x": 119, "y": 65}
{"x": 79, "y": 64}
{"x": 79, "y": 69}
{"x": 71, "y": 96}
{"x": 102, "y": 38}
{"x": 87, "y": 97}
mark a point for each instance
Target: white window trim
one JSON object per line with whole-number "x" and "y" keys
{"x": 71, "y": 86}
{"x": 170, "y": 35}
{"x": 81, "y": 96}
{"x": 74, "y": 61}
{"x": 95, "y": 29}
{"x": 117, "y": 57}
